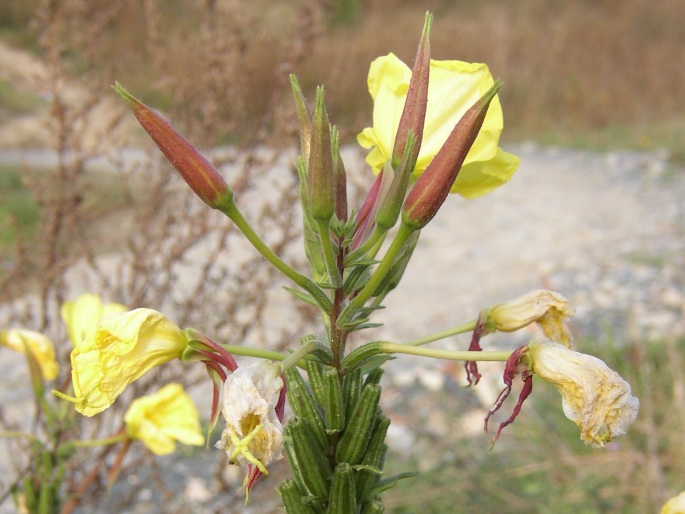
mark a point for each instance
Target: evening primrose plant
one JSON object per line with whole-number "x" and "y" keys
{"x": 436, "y": 130}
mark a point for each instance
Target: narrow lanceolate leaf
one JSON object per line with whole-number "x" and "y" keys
{"x": 359, "y": 428}
{"x": 358, "y": 356}
{"x": 303, "y": 405}
{"x": 202, "y": 177}
{"x": 343, "y": 499}
{"x": 304, "y": 116}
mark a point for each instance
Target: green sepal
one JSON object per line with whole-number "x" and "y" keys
{"x": 373, "y": 459}
{"x": 374, "y": 506}
{"x": 359, "y": 356}
{"x": 352, "y": 389}
{"x": 304, "y": 116}
{"x": 314, "y": 469}
{"x": 303, "y": 406}
{"x": 312, "y": 244}
{"x": 320, "y": 180}
{"x": 333, "y": 405}
{"x": 292, "y": 498}
{"x": 343, "y": 499}
{"x": 359, "y": 428}
{"x": 390, "y": 482}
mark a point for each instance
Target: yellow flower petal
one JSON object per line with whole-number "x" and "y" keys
{"x": 39, "y": 345}
{"x": 454, "y": 86}
{"x": 675, "y": 505}
{"x": 162, "y": 418}
{"x": 123, "y": 347}
{"x": 81, "y": 315}
{"x": 548, "y": 309}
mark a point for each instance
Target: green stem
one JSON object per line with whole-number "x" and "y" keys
{"x": 387, "y": 347}
{"x": 459, "y": 329}
{"x": 358, "y": 301}
{"x": 247, "y": 351}
{"x": 231, "y": 210}
{"x": 17, "y": 433}
{"x": 119, "y": 438}
{"x": 295, "y": 357}
{"x": 328, "y": 253}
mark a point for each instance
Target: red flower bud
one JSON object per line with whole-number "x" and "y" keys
{"x": 202, "y": 177}
{"x": 414, "y": 112}
{"x": 431, "y": 189}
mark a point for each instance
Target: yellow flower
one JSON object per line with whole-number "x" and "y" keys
{"x": 594, "y": 397}
{"x": 123, "y": 347}
{"x": 546, "y": 308}
{"x": 39, "y": 345}
{"x": 454, "y": 86}
{"x": 162, "y": 418}
{"x": 253, "y": 433}
{"x": 81, "y": 315}
{"x": 675, "y": 505}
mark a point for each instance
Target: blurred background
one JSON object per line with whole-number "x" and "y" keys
{"x": 87, "y": 204}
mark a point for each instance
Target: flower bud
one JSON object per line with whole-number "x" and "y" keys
{"x": 431, "y": 189}
{"x": 414, "y": 111}
{"x": 202, "y": 177}
{"x": 321, "y": 183}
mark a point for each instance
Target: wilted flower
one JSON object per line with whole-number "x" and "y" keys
{"x": 593, "y": 396}
{"x": 123, "y": 348}
{"x": 81, "y": 315}
{"x": 39, "y": 345}
{"x": 546, "y": 308}
{"x": 454, "y": 86}
{"x": 162, "y": 418}
{"x": 675, "y": 505}
{"x": 253, "y": 433}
